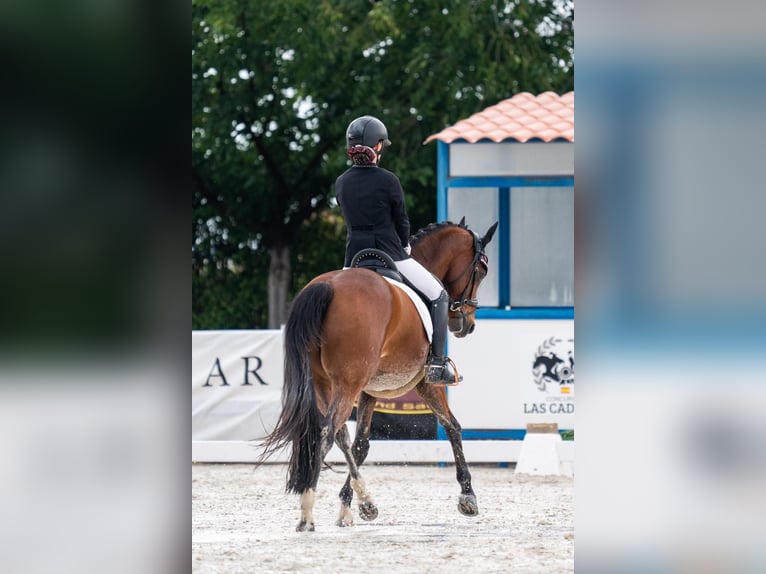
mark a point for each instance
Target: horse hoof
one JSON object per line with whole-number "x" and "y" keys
{"x": 368, "y": 511}
{"x": 468, "y": 505}
{"x": 345, "y": 518}
{"x": 304, "y": 526}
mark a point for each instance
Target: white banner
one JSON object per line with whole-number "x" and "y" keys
{"x": 516, "y": 372}
{"x": 236, "y": 384}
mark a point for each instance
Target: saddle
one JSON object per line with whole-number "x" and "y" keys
{"x": 378, "y": 261}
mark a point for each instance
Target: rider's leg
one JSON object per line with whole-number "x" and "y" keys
{"x": 437, "y": 369}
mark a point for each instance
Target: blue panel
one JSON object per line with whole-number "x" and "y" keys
{"x": 526, "y": 313}
{"x": 488, "y": 434}
{"x": 510, "y": 181}
{"x": 504, "y": 246}
{"x": 442, "y": 169}
{"x": 481, "y": 434}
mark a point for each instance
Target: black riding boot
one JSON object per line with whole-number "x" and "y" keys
{"x": 437, "y": 369}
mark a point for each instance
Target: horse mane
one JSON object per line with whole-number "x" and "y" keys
{"x": 433, "y": 228}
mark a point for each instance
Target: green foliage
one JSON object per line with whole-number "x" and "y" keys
{"x": 230, "y": 295}
{"x": 567, "y": 434}
{"x": 320, "y": 247}
{"x": 274, "y": 85}
{"x": 226, "y": 299}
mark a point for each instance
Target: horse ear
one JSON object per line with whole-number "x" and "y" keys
{"x": 462, "y": 222}
{"x": 488, "y": 236}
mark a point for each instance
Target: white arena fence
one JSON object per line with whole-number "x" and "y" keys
{"x": 236, "y": 400}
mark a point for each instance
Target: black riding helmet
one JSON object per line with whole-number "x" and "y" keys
{"x": 366, "y": 131}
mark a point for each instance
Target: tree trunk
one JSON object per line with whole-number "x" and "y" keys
{"x": 279, "y": 281}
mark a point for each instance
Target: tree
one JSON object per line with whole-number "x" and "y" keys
{"x": 274, "y": 85}
{"x": 436, "y": 62}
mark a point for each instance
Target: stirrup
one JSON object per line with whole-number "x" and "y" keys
{"x": 439, "y": 375}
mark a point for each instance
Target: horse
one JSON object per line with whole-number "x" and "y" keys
{"x": 352, "y": 337}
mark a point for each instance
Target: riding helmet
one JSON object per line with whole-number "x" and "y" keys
{"x": 366, "y": 131}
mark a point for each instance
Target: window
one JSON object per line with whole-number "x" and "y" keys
{"x": 479, "y": 206}
{"x": 531, "y": 258}
{"x": 542, "y": 247}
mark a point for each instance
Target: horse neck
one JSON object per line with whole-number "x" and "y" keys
{"x": 436, "y": 253}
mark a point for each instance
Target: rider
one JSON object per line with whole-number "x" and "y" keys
{"x": 372, "y": 201}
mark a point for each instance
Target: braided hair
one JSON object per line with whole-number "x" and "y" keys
{"x": 361, "y": 154}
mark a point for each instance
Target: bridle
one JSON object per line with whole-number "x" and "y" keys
{"x": 458, "y": 305}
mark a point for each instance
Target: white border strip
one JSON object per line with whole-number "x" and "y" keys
{"x": 383, "y": 451}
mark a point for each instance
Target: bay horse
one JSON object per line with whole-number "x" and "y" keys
{"x": 352, "y": 337}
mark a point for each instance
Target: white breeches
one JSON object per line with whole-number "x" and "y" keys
{"x": 420, "y": 277}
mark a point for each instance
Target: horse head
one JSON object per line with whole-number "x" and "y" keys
{"x": 455, "y": 254}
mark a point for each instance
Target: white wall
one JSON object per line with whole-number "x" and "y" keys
{"x": 500, "y": 389}
{"x": 511, "y": 159}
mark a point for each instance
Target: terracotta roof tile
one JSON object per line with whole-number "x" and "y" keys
{"x": 523, "y": 117}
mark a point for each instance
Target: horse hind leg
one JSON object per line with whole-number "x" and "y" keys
{"x": 345, "y": 517}
{"x": 306, "y": 522}
{"x": 361, "y": 446}
{"x": 354, "y": 483}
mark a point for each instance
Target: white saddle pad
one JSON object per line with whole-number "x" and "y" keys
{"x": 425, "y": 316}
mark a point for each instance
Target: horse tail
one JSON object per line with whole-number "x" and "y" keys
{"x": 300, "y": 421}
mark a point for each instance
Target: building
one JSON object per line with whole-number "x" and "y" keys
{"x": 514, "y": 163}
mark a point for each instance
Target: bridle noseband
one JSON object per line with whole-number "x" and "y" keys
{"x": 458, "y": 305}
